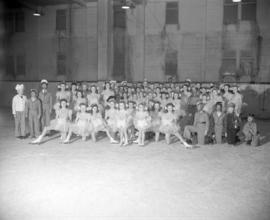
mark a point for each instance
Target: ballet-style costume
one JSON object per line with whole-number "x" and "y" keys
{"x": 155, "y": 121}
{"x": 121, "y": 120}
{"x": 82, "y": 126}
{"x": 168, "y": 123}
{"x": 61, "y": 122}
{"x": 63, "y": 95}
{"x": 110, "y": 118}
{"x": 130, "y": 117}
{"x": 237, "y": 100}
{"x": 142, "y": 121}
{"x": 93, "y": 98}
{"x": 97, "y": 122}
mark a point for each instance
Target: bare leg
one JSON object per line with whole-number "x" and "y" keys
{"x": 139, "y": 138}
{"x": 39, "y": 139}
{"x": 68, "y": 136}
{"x": 93, "y": 135}
{"x": 156, "y": 136}
{"x": 179, "y": 136}
{"x": 143, "y": 137}
{"x": 167, "y": 138}
{"x": 125, "y": 137}
{"x": 63, "y": 136}
{"x": 84, "y": 138}
{"x": 110, "y": 137}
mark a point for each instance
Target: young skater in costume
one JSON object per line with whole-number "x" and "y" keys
{"x": 169, "y": 125}
{"x": 122, "y": 123}
{"x": 156, "y": 120}
{"x": 82, "y": 125}
{"x": 98, "y": 124}
{"x": 60, "y": 123}
{"x": 142, "y": 122}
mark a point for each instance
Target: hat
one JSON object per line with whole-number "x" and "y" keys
{"x": 44, "y": 81}
{"x": 231, "y": 105}
{"x": 33, "y": 90}
{"x": 19, "y": 87}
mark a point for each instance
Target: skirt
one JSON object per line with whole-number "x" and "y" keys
{"x": 98, "y": 125}
{"x": 155, "y": 125}
{"x": 169, "y": 128}
{"x": 61, "y": 125}
{"x": 121, "y": 124}
{"x": 142, "y": 125}
{"x": 81, "y": 128}
{"x": 111, "y": 124}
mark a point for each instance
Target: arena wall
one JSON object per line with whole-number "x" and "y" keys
{"x": 200, "y": 41}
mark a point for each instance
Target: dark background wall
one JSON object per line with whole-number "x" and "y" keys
{"x": 205, "y": 40}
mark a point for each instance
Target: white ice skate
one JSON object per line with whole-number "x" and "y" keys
{"x": 37, "y": 141}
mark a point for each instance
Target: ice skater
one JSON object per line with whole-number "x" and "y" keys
{"x": 61, "y": 122}
{"x": 142, "y": 122}
{"x": 169, "y": 125}
{"x": 82, "y": 125}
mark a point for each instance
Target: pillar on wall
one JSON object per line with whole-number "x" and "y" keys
{"x": 139, "y": 62}
{"x": 104, "y": 39}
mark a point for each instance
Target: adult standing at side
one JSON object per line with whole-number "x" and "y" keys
{"x": 46, "y": 104}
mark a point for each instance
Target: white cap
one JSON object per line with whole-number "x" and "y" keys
{"x": 19, "y": 87}
{"x": 44, "y": 81}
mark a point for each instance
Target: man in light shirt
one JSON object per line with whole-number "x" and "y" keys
{"x": 19, "y": 111}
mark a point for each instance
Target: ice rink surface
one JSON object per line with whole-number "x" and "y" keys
{"x": 99, "y": 181}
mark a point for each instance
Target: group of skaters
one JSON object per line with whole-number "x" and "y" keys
{"x": 135, "y": 112}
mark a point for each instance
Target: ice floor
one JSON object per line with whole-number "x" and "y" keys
{"x": 86, "y": 180}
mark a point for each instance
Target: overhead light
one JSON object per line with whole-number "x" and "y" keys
{"x": 125, "y": 7}
{"x": 236, "y": 1}
{"x": 36, "y": 13}
{"x": 127, "y": 4}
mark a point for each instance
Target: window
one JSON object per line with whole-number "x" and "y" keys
{"x": 10, "y": 66}
{"x": 249, "y": 11}
{"x": 228, "y": 65}
{"x": 9, "y": 22}
{"x": 172, "y": 13}
{"x": 20, "y": 65}
{"x": 119, "y": 17}
{"x": 244, "y": 10}
{"x": 61, "y": 64}
{"x": 230, "y": 14}
{"x": 19, "y": 21}
{"x": 171, "y": 63}
{"x": 61, "y": 20}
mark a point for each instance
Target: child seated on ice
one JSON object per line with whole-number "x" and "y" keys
{"x": 250, "y": 131}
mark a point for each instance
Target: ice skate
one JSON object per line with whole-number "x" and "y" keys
{"x": 37, "y": 141}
